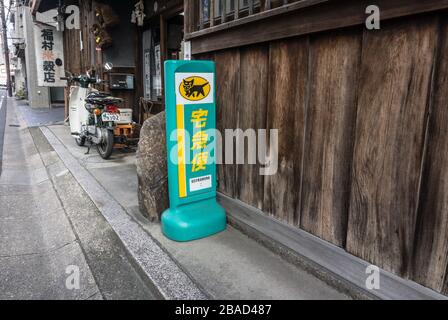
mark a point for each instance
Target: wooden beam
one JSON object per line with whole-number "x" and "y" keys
{"x": 189, "y": 8}
{"x": 35, "y": 5}
{"x": 312, "y": 16}
{"x": 258, "y": 16}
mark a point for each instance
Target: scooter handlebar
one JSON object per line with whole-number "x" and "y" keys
{"x": 83, "y": 79}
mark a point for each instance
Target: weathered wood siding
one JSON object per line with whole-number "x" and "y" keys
{"x": 80, "y": 56}
{"x": 395, "y": 79}
{"x": 288, "y": 72}
{"x": 334, "y": 61}
{"x": 430, "y": 253}
{"x": 363, "y": 138}
{"x": 254, "y": 67}
{"x": 227, "y": 73}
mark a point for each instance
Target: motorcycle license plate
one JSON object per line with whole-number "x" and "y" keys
{"x": 110, "y": 116}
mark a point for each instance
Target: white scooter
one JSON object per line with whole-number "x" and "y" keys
{"x": 92, "y": 115}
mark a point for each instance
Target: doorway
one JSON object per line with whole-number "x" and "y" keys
{"x": 161, "y": 40}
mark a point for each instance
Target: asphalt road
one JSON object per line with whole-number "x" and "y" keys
{"x": 2, "y": 123}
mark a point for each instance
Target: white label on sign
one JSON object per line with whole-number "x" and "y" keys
{"x": 187, "y": 50}
{"x": 194, "y": 88}
{"x": 200, "y": 183}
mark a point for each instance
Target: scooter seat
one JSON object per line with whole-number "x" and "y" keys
{"x": 102, "y": 98}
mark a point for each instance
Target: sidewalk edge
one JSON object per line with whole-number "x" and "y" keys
{"x": 150, "y": 259}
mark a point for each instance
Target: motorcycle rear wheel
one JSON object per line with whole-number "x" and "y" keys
{"x": 107, "y": 145}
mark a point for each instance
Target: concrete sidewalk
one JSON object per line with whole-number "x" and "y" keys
{"x": 37, "y": 243}
{"x": 38, "y": 117}
{"x": 42, "y": 233}
{"x": 228, "y": 265}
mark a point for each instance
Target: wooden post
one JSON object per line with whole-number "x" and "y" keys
{"x": 223, "y": 10}
{"x": 163, "y": 50}
{"x": 212, "y": 13}
{"x": 201, "y": 15}
{"x": 189, "y": 16}
{"x": 236, "y": 9}
{"x": 267, "y": 5}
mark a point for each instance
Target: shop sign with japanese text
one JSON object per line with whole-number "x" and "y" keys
{"x": 49, "y": 56}
{"x": 190, "y": 98}
{"x": 195, "y": 114}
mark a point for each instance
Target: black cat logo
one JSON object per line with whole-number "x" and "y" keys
{"x": 194, "y": 88}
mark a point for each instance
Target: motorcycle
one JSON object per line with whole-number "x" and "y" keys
{"x": 92, "y": 114}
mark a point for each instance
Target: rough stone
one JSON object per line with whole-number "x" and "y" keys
{"x": 152, "y": 169}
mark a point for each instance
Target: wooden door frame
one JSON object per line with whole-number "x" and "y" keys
{"x": 164, "y": 17}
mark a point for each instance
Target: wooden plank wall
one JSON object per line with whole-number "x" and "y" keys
{"x": 430, "y": 254}
{"x": 363, "y": 138}
{"x": 227, "y": 73}
{"x": 254, "y": 83}
{"x": 78, "y": 61}
{"x": 390, "y": 129}
{"x": 334, "y": 61}
{"x": 286, "y": 111}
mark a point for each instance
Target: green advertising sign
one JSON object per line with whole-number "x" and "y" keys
{"x": 190, "y": 99}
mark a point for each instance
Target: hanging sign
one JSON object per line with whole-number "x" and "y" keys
{"x": 191, "y": 123}
{"x": 138, "y": 15}
{"x": 49, "y": 56}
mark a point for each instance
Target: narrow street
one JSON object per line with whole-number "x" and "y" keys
{"x": 51, "y": 221}
{"x": 221, "y": 150}
{"x": 40, "y": 244}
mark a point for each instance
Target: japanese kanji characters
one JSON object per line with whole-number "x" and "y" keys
{"x": 47, "y": 55}
{"x": 199, "y": 118}
{"x": 199, "y": 161}
{"x": 199, "y": 140}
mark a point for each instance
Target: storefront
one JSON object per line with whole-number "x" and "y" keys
{"x": 136, "y": 38}
{"x": 160, "y": 39}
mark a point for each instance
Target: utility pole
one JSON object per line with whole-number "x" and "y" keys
{"x": 5, "y": 48}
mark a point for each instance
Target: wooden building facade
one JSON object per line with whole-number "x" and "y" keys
{"x": 362, "y": 119}
{"x": 361, "y": 114}
{"x": 137, "y": 51}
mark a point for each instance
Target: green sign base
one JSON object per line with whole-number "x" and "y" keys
{"x": 193, "y": 220}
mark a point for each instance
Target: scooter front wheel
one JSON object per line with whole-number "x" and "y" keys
{"x": 80, "y": 141}
{"x": 106, "y": 146}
